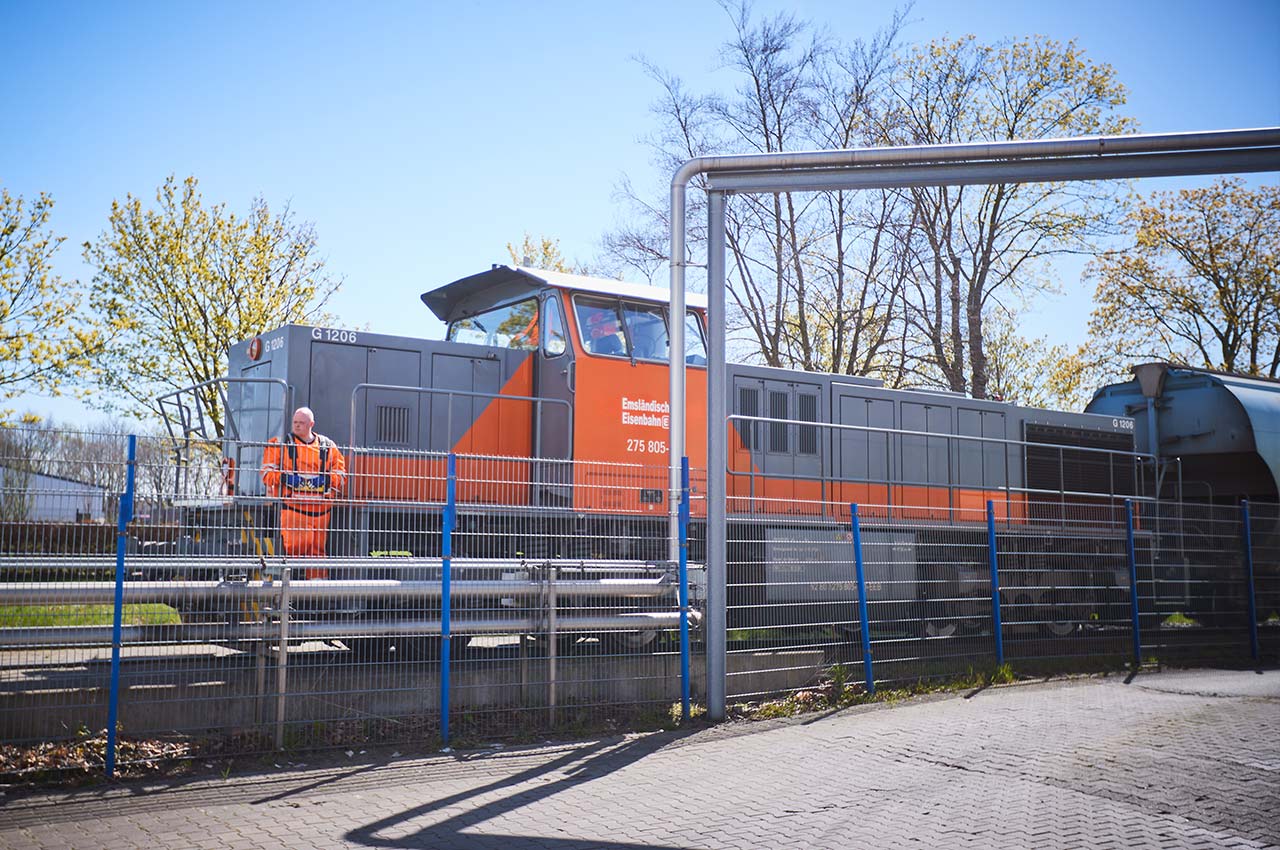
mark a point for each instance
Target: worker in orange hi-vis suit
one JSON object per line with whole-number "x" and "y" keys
{"x": 306, "y": 473}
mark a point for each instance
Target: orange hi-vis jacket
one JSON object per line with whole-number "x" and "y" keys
{"x": 305, "y": 476}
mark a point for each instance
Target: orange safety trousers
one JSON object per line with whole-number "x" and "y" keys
{"x": 304, "y": 530}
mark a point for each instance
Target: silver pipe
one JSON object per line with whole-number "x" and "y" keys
{"x": 1000, "y": 171}
{"x": 102, "y": 592}
{"x": 336, "y": 630}
{"x": 717, "y": 463}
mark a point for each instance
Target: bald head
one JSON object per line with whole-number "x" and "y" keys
{"x": 303, "y": 424}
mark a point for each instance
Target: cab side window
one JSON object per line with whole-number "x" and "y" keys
{"x": 510, "y": 326}
{"x": 553, "y": 340}
{"x": 647, "y": 328}
{"x": 695, "y": 349}
{"x": 600, "y": 326}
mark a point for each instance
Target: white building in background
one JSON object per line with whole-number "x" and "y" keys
{"x": 34, "y": 497}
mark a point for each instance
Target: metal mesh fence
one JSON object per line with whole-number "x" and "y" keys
{"x": 562, "y": 607}
{"x": 547, "y": 587}
{"x": 793, "y": 595}
{"x": 1193, "y": 582}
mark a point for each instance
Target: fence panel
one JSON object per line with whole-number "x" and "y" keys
{"x": 1065, "y": 589}
{"x": 1062, "y": 570}
{"x": 58, "y": 511}
{"x": 1192, "y": 582}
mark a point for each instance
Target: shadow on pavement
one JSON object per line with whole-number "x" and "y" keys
{"x": 581, "y": 765}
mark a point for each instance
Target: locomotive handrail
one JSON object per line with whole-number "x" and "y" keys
{"x": 181, "y": 412}
{"x": 174, "y": 399}
{"x": 450, "y": 393}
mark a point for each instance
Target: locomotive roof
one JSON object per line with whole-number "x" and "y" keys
{"x": 500, "y": 284}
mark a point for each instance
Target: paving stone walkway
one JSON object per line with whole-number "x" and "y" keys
{"x": 1189, "y": 759}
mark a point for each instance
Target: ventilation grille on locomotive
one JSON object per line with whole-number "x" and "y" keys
{"x": 393, "y": 425}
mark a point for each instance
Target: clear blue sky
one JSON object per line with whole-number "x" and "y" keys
{"x": 420, "y": 138}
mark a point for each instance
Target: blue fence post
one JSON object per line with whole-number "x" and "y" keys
{"x": 1248, "y": 567}
{"x": 117, "y": 618}
{"x": 863, "y": 620}
{"x": 1133, "y": 584}
{"x": 446, "y": 597}
{"x": 992, "y": 558}
{"x": 684, "y": 588}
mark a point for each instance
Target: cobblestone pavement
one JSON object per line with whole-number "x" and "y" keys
{"x": 1171, "y": 760}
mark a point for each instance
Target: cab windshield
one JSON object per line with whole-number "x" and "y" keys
{"x": 511, "y": 326}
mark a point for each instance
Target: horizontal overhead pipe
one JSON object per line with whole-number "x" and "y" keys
{"x": 53, "y": 636}
{"x": 983, "y": 173}
{"x": 101, "y": 592}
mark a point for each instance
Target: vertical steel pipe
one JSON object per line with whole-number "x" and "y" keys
{"x": 993, "y": 561}
{"x": 864, "y": 621}
{"x": 125, "y": 516}
{"x": 717, "y": 624}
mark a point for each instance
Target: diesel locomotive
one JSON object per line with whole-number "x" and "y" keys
{"x": 551, "y": 391}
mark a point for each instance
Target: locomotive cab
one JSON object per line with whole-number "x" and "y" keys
{"x": 598, "y": 352}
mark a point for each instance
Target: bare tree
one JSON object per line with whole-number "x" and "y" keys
{"x": 973, "y": 242}
{"x": 811, "y": 278}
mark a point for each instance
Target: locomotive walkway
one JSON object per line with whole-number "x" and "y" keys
{"x": 1187, "y": 759}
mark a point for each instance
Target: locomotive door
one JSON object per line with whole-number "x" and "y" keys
{"x": 554, "y": 374}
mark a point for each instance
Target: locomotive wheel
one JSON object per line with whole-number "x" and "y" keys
{"x": 565, "y": 643}
{"x": 1060, "y": 628}
{"x": 940, "y": 619}
{"x": 941, "y": 628}
{"x": 1055, "y": 618}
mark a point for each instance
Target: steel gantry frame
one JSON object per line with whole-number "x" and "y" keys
{"x": 1053, "y": 160}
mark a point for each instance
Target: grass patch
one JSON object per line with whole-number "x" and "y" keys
{"x": 1179, "y": 620}
{"x": 31, "y": 616}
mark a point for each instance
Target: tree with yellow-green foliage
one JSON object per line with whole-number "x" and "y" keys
{"x": 178, "y": 283}
{"x": 1200, "y": 284}
{"x": 44, "y": 340}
